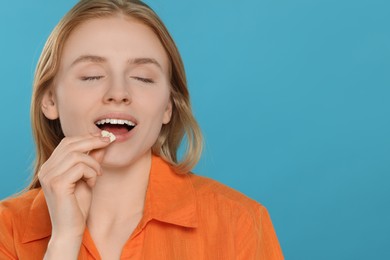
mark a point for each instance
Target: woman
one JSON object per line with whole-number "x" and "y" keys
{"x": 111, "y": 66}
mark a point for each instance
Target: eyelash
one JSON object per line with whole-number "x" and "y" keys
{"x": 144, "y": 80}
{"x": 91, "y": 78}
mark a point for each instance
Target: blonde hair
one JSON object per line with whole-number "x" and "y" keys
{"x": 48, "y": 133}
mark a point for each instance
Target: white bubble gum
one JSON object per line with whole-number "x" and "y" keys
{"x": 110, "y": 135}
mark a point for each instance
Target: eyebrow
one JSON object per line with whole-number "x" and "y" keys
{"x": 88, "y": 58}
{"x": 99, "y": 59}
{"x": 142, "y": 61}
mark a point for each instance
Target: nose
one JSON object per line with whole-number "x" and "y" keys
{"x": 117, "y": 93}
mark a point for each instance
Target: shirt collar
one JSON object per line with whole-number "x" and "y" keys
{"x": 170, "y": 198}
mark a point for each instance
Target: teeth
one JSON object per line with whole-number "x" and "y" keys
{"x": 114, "y": 121}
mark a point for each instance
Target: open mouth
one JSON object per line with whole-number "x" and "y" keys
{"x": 116, "y": 126}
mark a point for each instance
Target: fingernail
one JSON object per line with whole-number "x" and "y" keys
{"x": 106, "y": 134}
{"x": 96, "y": 134}
{"x": 105, "y": 139}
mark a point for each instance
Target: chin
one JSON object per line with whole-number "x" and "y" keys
{"x": 117, "y": 162}
{"x": 121, "y": 160}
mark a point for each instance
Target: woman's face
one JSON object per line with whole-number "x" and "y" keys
{"x": 114, "y": 76}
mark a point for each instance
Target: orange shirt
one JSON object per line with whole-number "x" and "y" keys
{"x": 185, "y": 217}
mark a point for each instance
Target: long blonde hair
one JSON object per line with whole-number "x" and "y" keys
{"x": 48, "y": 133}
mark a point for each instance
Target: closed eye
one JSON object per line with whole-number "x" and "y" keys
{"x": 91, "y": 78}
{"x": 144, "y": 80}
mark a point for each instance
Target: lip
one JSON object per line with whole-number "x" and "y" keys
{"x": 114, "y": 115}
{"x": 123, "y": 116}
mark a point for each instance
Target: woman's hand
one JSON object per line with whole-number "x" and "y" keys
{"x": 67, "y": 179}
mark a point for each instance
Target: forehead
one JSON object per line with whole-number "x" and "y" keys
{"x": 117, "y": 39}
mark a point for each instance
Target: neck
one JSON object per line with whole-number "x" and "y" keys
{"x": 120, "y": 193}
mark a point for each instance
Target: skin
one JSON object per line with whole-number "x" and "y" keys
{"x": 89, "y": 182}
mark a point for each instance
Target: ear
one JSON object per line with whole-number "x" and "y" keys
{"x": 167, "y": 113}
{"x": 49, "y": 106}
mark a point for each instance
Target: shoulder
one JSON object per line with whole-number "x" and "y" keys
{"x": 16, "y": 208}
{"x": 14, "y": 212}
{"x": 18, "y": 204}
{"x": 210, "y": 191}
{"x": 232, "y": 215}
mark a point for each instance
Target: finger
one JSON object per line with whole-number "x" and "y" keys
{"x": 65, "y": 156}
{"x": 75, "y": 174}
{"x": 73, "y": 139}
{"x": 87, "y": 144}
{"x": 69, "y": 144}
{"x": 61, "y": 164}
{"x": 98, "y": 155}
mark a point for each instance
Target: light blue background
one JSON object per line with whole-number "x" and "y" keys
{"x": 293, "y": 98}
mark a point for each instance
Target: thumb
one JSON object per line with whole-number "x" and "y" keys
{"x": 98, "y": 154}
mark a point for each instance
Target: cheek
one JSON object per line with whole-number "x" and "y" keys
{"x": 72, "y": 110}
{"x": 153, "y": 104}
{"x": 68, "y": 118}
{"x": 69, "y": 105}
{"x": 156, "y": 112}
{"x": 163, "y": 111}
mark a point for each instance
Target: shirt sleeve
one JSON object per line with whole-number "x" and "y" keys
{"x": 256, "y": 237}
{"x": 7, "y": 249}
